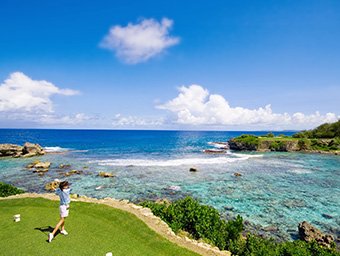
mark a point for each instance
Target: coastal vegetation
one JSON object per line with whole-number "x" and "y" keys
{"x": 324, "y": 138}
{"x": 9, "y": 190}
{"x": 204, "y": 222}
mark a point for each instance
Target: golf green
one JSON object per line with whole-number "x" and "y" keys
{"x": 93, "y": 229}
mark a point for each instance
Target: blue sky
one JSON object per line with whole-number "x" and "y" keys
{"x": 200, "y": 65}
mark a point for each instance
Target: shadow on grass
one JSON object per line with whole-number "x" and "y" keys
{"x": 47, "y": 229}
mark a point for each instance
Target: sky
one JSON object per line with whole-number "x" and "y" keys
{"x": 169, "y": 65}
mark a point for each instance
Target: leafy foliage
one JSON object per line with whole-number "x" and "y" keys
{"x": 248, "y": 139}
{"x": 9, "y": 190}
{"x": 326, "y": 130}
{"x": 255, "y": 246}
{"x": 277, "y": 145}
{"x": 303, "y": 143}
{"x": 201, "y": 221}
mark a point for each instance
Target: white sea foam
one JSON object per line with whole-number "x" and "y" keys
{"x": 299, "y": 171}
{"x": 174, "y": 162}
{"x": 55, "y": 149}
{"x": 218, "y": 145}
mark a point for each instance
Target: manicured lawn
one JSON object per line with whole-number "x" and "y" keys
{"x": 277, "y": 139}
{"x": 93, "y": 230}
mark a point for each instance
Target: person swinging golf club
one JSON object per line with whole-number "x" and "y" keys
{"x": 64, "y": 194}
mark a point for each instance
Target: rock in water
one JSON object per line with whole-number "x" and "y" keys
{"x": 193, "y": 169}
{"x": 31, "y": 149}
{"x": 53, "y": 185}
{"x": 106, "y": 174}
{"x": 10, "y": 150}
{"x": 27, "y": 150}
{"x": 309, "y": 233}
{"x": 162, "y": 201}
{"x": 43, "y": 165}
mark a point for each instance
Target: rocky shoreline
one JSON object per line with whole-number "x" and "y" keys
{"x": 280, "y": 146}
{"x": 28, "y": 150}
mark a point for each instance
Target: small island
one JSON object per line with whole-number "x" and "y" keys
{"x": 323, "y": 139}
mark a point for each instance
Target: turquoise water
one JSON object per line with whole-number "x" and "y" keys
{"x": 275, "y": 190}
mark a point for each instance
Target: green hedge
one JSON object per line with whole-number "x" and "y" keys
{"x": 9, "y": 190}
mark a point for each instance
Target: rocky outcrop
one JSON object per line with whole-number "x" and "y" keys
{"x": 106, "y": 174}
{"x": 265, "y": 145}
{"x": 309, "y": 233}
{"x": 214, "y": 151}
{"x": 241, "y": 145}
{"x": 283, "y": 146}
{"x": 53, "y": 185}
{"x": 28, "y": 150}
{"x": 43, "y": 165}
{"x": 193, "y": 169}
{"x": 31, "y": 149}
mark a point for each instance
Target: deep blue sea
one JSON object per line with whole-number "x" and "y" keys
{"x": 275, "y": 190}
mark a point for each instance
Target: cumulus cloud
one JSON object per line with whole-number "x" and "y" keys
{"x": 19, "y": 92}
{"x": 139, "y": 42}
{"x": 24, "y": 99}
{"x": 196, "y": 106}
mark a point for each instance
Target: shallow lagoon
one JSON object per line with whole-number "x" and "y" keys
{"x": 275, "y": 190}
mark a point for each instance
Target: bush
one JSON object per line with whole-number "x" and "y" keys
{"x": 248, "y": 140}
{"x": 277, "y": 145}
{"x": 201, "y": 221}
{"x": 255, "y": 246}
{"x": 9, "y": 190}
{"x": 303, "y": 144}
{"x": 326, "y": 130}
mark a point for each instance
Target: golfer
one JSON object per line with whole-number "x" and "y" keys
{"x": 64, "y": 193}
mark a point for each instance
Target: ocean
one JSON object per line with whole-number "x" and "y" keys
{"x": 277, "y": 190}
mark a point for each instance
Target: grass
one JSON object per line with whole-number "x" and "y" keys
{"x": 93, "y": 229}
{"x": 277, "y": 139}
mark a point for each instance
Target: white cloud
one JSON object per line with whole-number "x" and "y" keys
{"x": 139, "y": 42}
{"x": 19, "y": 92}
{"x": 23, "y": 99}
{"x": 133, "y": 121}
{"x": 196, "y": 106}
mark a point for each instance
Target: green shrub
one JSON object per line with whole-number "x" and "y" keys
{"x": 277, "y": 145}
{"x": 326, "y": 130}
{"x": 255, "y": 246}
{"x": 248, "y": 139}
{"x": 9, "y": 190}
{"x": 201, "y": 221}
{"x": 269, "y": 135}
{"x": 303, "y": 144}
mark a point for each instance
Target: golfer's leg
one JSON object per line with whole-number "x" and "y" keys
{"x": 61, "y": 222}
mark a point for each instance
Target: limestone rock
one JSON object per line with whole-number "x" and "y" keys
{"x": 193, "y": 169}
{"x": 214, "y": 151}
{"x": 162, "y": 201}
{"x": 43, "y": 165}
{"x": 32, "y": 149}
{"x": 53, "y": 185}
{"x": 28, "y": 150}
{"x": 10, "y": 150}
{"x": 106, "y": 174}
{"x": 309, "y": 233}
